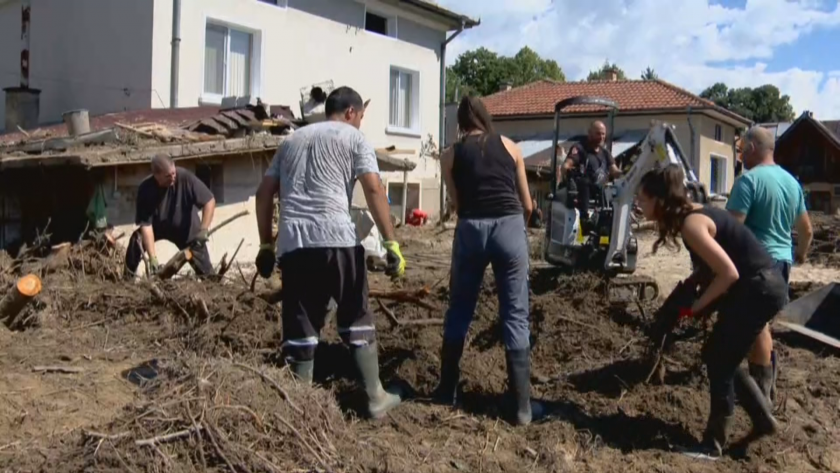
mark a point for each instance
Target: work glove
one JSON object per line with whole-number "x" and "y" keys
{"x": 395, "y": 266}
{"x": 201, "y": 238}
{"x": 266, "y": 260}
{"x": 154, "y": 266}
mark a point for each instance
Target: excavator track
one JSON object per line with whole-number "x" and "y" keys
{"x": 627, "y": 289}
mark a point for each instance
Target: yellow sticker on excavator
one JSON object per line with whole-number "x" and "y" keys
{"x": 605, "y": 240}
{"x": 660, "y": 151}
{"x": 580, "y": 234}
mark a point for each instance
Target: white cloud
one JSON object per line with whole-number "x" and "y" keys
{"x": 685, "y": 41}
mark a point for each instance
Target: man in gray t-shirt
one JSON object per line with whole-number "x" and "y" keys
{"x": 314, "y": 172}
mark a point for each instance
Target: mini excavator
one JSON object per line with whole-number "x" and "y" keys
{"x": 603, "y": 240}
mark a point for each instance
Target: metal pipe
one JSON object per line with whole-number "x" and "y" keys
{"x": 693, "y": 156}
{"x": 442, "y": 130}
{"x": 176, "y": 54}
{"x": 25, "y": 22}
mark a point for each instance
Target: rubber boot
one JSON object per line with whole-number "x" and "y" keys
{"x": 302, "y": 370}
{"x": 763, "y": 376}
{"x": 714, "y": 439}
{"x": 519, "y": 384}
{"x": 379, "y": 400}
{"x": 450, "y": 372}
{"x": 756, "y": 404}
{"x": 775, "y": 364}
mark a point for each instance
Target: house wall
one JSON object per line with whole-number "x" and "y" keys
{"x": 704, "y": 142}
{"x": 310, "y": 42}
{"x": 92, "y": 54}
{"x": 721, "y": 149}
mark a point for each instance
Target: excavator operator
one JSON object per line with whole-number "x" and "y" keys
{"x": 589, "y": 163}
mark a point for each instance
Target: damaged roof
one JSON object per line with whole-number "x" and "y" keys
{"x": 137, "y": 136}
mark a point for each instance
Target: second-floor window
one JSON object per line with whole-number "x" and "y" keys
{"x": 718, "y": 133}
{"x": 228, "y": 55}
{"x": 405, "y": 101}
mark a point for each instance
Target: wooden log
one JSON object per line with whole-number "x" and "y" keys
{"x": 24, "y": 290}
{"x": 178, "y": 261}
{"x": 175, "y": 264}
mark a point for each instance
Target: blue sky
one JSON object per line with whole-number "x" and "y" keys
{"x": 793, "y": 44}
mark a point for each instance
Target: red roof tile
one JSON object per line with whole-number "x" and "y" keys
{"x": 169, "y": 117}
{"x": 539, "y": 98}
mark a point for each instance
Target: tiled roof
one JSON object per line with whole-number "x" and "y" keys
{"x": 833, "y": 126}
{"x": 539, "y": 98}
{"x": 171, "y": 117}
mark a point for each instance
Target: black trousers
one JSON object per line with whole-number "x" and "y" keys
{"x": 742, "y": 315}
{"x": 200, "y": 261}
{"x": 313, "y": 276}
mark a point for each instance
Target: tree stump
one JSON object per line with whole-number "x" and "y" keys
{"x": 24, "y": 290}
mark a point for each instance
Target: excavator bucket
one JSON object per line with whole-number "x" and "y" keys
{"x": 816, "y": 315}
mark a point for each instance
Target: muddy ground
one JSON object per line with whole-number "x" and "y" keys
{"x": 200, "y": 400}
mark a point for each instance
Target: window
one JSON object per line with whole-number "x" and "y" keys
{"x": 717, "y": 183}
{"x": 405, "y": 100}
{"x": 718, "y": 133}
{"x": 228, "y": 62}
{"x": 381, "y": 24}
{"x": 213, "y": 176}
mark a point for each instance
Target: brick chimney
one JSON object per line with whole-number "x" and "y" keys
{"x": 612, "y": 74}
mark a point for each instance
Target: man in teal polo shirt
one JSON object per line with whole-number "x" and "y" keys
{"x": 770, "y": 202}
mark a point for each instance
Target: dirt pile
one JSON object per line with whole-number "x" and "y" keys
{"x": 202, "y": 407}
{"x": 825, "y": 249}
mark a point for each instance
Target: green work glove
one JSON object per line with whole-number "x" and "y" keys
{"x": 154, "y": 266}
{"x": 396, "y": 262}
{"x": 266, "y": 260}
{"x": 201, "y": 237}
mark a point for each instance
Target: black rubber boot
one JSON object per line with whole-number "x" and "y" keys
{"x": 763, "y": 376}
{"x": 519, "y": 384}
{"x": 714, "y": 439}
{"x": 302, "y": 370}
{"x": 756, "y": 404}
{"x": 379, "y": 400}
{"x": 450, "y": 372}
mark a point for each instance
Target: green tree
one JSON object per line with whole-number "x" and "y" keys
{"x": 760, "y": 104}
{"x": 649, "y": 74}
{"x": 483, "y": 72}
{"x": 604, "y": 72}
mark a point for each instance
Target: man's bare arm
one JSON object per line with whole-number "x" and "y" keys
{"x": 377, "y": 202}
{"x": 805, "y": 235}
{"x": 265, "y": 208}
{"x": 207, "y": 214}
{"x": 148, "y": 237}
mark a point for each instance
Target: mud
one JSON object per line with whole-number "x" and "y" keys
{"x": 825, "y": 248}
{"x": 586, "y": 369}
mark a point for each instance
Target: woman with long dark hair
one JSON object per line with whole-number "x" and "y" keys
{"x": 485, "y": 175}
{"x": 739, "y": 281}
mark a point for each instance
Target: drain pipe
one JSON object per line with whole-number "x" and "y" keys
{"x": 176, "y": 54}
{"x": 442, "y": 130}
{"x": 693, "y": 156}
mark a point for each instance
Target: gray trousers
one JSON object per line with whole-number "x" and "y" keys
{"x": 502, "y": 243}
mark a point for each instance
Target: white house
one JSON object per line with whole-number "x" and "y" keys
{"x": 117, "y": 55}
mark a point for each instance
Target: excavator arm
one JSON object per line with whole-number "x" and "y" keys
{"x": 659, "y": 148}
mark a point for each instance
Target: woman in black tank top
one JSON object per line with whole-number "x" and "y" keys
{"x": 485, "y": 175}
{"x": 738, "y": 280}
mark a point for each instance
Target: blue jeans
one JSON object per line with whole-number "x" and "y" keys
{"x": 502, "y": 243}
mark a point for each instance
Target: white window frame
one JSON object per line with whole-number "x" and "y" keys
{"x": 392, "y": 25}
{"x": 723, "y": 181}
{"x": 718, "y": 136}
{"x": 414, "y": 130}
{"x": 256, "y": 58}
